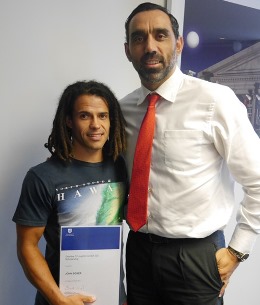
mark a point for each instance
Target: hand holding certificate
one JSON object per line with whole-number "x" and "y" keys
{"x": 90, "y": 262}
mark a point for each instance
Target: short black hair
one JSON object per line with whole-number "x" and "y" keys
{"x": 148, "y": 6}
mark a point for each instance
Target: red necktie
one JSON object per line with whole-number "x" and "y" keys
{"x": 138, "y": 195}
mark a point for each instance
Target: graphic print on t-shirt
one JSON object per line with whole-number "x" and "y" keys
{"x": 91, "y": 204}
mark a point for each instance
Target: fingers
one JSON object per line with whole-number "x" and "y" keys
{"x": 226, "y": 266}
{"x": 222, "y": 291}
{"x": 88, "y": 299}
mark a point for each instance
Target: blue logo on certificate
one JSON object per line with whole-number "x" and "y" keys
{"x": 90, "y": 238}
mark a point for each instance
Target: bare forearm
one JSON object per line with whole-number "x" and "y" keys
{"x": 38, "y": 273}
{"x": 37, "y": 270}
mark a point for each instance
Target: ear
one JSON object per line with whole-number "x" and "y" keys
{"x": 69, "y": 122}
{"x": 179, "y": 45}
{"x": 127, "y": 52}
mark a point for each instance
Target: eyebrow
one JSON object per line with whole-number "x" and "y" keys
{"x": 89, "y": 112}
{"x": 137, "y": 33}
{"x": 157, "y": 30}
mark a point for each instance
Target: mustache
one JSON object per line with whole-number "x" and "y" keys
{"x": 151, "y": 55}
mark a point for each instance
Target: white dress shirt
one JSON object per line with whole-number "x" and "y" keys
{"x": 202, "y": 139}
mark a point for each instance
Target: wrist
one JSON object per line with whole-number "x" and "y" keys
{"x": 241, "y": 257}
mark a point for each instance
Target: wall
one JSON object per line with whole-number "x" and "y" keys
{"x": 45, "y": 45}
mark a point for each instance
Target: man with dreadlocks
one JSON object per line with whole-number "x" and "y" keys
{"x": 86, "y": 142}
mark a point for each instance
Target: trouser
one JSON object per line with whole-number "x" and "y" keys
{"x": 168, "y": 271}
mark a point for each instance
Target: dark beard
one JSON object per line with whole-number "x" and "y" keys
{"x": 154, "y": 75}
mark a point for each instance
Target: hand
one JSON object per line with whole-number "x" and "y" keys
{"x": 78, "y": 299}
{"x": 227, "y": 263}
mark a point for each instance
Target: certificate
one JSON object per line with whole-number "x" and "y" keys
{"x": 90, "y": 259}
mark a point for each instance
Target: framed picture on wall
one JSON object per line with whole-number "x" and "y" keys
{"x": 222, "y": 45}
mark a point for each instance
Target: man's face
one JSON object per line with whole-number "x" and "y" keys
{"x": 152, "y": 47}
{"x": 90, "y": 126}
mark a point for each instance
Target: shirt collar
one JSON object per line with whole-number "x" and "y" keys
{"x": 168, "y": 90}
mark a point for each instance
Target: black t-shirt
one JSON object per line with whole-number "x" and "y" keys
{"x": 79, "y": 193}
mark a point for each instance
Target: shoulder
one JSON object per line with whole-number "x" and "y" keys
{"x": 48, "y": 171}
{"x": 210, "y": 92}
{"x": 131, "y": 97}
{"x": 120, "y": 161}
{"x": 48, "y": 166}
{"x": 207, "y": 86}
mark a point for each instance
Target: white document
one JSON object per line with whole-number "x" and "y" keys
{"x": 90, "y": 262}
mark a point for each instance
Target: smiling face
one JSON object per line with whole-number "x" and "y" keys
{"x": 90, "y": 126}
{"x": 152, "y": 47}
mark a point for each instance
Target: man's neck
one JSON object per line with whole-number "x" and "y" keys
{"x": 95, "y": 157}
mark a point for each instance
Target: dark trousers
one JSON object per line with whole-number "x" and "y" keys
{"x": 166, "y": 271}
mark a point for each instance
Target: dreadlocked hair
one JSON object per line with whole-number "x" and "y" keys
{"x": 60, "y": 140}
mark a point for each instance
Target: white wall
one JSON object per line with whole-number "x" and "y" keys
{"x": 46, "y": 45}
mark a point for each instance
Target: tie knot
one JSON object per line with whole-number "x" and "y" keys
{"x": 152, "y": 99}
